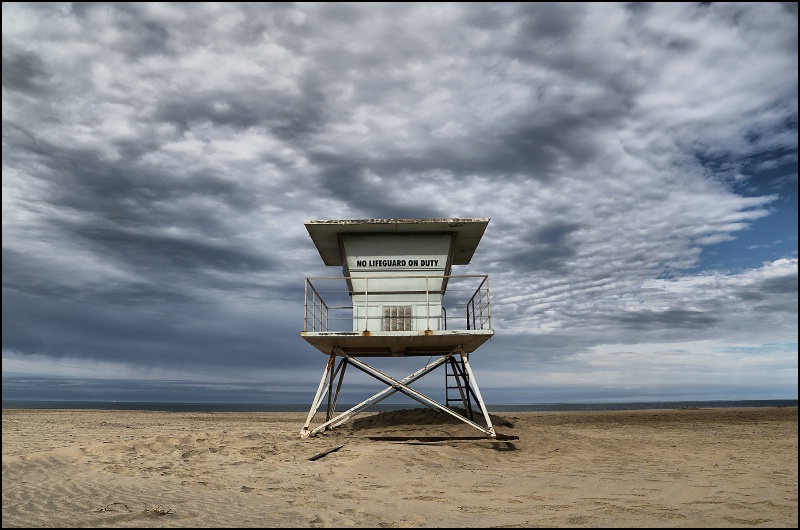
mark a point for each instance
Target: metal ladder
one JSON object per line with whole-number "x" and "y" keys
{"x": 458, "y": 391}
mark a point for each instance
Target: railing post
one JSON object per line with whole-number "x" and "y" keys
{"x": 366, "y": 304}
{"x": 427, "y": 303}
{"x": 488, "y": 304}
{"x": 305, "y": 306}
{"x": 319, "y": 306}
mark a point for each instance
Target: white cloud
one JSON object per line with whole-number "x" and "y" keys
{"x": 159, "y": 155}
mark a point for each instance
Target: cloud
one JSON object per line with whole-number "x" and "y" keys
{"x": 638, "y": 163}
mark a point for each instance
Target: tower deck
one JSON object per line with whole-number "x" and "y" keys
{"x": 398, "y": 343}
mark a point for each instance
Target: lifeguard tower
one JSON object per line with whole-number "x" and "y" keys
{"x": 398, "y": 298}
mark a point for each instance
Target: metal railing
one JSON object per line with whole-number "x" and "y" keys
{"x": 478, "y": 316}
{"x": 356, "y": 303}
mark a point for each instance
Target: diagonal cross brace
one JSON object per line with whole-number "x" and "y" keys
{"x": 377, "y": 398}
{"x": 422, "y": 398}
{"x": 394, "y": 386}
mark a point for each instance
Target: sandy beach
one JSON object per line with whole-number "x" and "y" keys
{"x": 653, "y": 468}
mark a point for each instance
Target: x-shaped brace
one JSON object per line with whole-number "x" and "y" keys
{"x": 394, "y": 385}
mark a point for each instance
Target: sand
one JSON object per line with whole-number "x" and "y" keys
{"x": 653, "y": 468}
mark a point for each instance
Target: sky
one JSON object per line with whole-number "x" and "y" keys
{"x": 637, "y": 162}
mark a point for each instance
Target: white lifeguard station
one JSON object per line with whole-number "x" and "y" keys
{"x": 398, "y": 298}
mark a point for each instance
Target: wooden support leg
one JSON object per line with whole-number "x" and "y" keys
{"x": 304, "y": 433}
{"x": 476, "y": 390}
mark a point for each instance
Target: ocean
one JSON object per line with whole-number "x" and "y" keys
{"x": 379, "y": 407}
